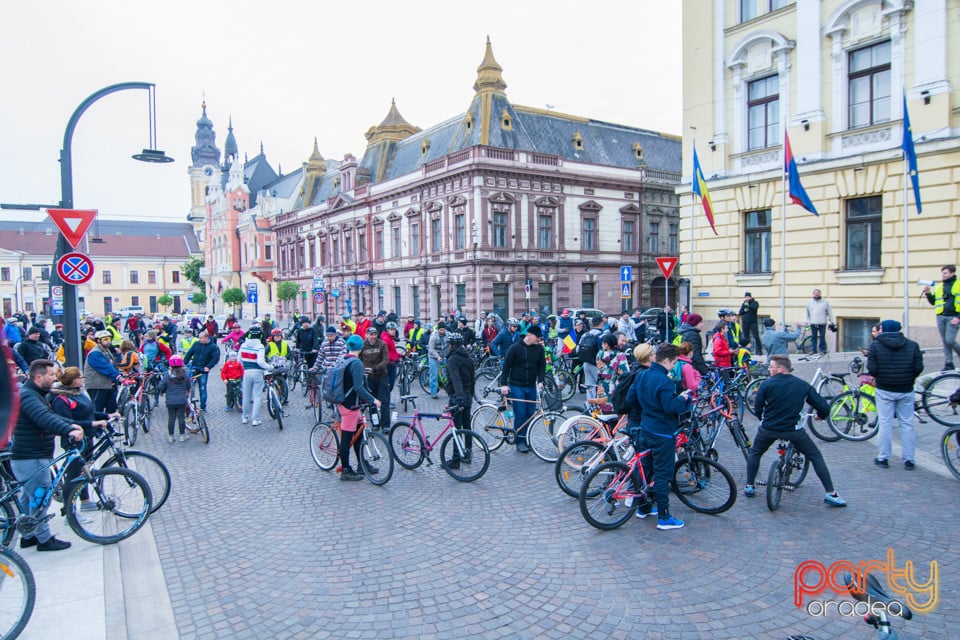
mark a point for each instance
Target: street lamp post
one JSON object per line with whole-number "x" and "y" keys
{"x": 71, "y": 321}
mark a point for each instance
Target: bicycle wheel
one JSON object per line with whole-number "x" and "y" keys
{"x": 150, "y": 467}
{"x": 579, "y": 428}
{"x": 936, "y": 399}
{"x": 566, "y": 383}
{"x": 830, "y": 387}
{"x": 740, "y": 437}
{"x": 282, "y": 391}
{"x": 202, "y": 428}
{"x": 806, "y": 345}
{"x": 490, "y": 368}
{"x": 820, "y": 430}
{"x": 145, "y": 413}
{"x": 575, "y": 464}
{"x": 407, "y": 445}
{"x": 474, "y": 459}
{"x": 425, "y": 380}
{"x": 488, "y": 420}
{"x": 324, "y": 445}
{"x": 8, "y": 519}
{"x": 775, "y": 482}
{"x": 130, "y": 424}
{"x": 853, "y": 416}
{"x": 950, "y": 450}
{"x": 295, "y": 378}
{"x": 797, "y": 470}
{"x": 17, "y": 595}
{"x": 704, "y": 485}
{"x": 404, "y": 380}
{"x": 123, "y": 502}
{"x": 750, "y": 395}
{"x": 376, "y": 460}
{"x": 540, "y": 435}
{"x": 604, "y": 496}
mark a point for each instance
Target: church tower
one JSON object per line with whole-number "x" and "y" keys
{"x": 206, "y": 163}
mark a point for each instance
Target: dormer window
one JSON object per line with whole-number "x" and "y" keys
{"x": 424, "y": 147}
{"x": 468, "y": 121}
{"x": 577, "y": 141}
{"x": 336, "y": 183}
{"x": 506, "y": 123}
{"x": 637, "y": 151}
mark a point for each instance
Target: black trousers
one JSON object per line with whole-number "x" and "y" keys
{"x": 801, "y": 441}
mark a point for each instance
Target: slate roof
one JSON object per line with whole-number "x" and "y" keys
{"x": 121, "y": 237}
{"x": 284, "y": 186}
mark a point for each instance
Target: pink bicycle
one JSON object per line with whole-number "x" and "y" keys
{"x": 460, "y": 449}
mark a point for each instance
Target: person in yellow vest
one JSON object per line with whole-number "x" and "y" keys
{"x": 186, "y": 341}
{"x": 116, "y": 338}
{"x": 349, "y": 323}
{"x": 945, "y": 298}
{"x": 277, "y": 345}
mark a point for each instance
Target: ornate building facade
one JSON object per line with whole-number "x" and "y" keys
{"x": 500, "y": 207}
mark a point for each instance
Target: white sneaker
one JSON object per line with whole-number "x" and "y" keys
{"x": 183, "y": 437}
{"x": 84, "y": 519}
{"x": 257, "y": 423}
{"x": 244, "y": 420}
{"x": 170, "y": 439}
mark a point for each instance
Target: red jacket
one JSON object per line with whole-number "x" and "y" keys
{"x": 231, "y": 370}
{"x": 721, "y": 350}
{"x": 391, "y": 347}
{"x": 362, "y": 327}
{"x": 211, "y": 328}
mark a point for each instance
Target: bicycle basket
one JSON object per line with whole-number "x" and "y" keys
{"x": 280, "y": 364}
{"x": 551, "y": 401}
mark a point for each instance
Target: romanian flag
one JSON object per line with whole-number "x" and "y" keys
{"x": 797, "y": 193}
{"x": 700, "y": 189}
{"x": 568, "y": 345}
{"x": 911, "y": 155}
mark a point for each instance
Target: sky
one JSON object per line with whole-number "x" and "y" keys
{"x": 289, "y": 72}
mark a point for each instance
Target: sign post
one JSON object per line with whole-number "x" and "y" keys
{"x": 667, "y": 265}
{"x": 253, "y": 298}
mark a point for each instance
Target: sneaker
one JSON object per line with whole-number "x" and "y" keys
{"x": 89, "y": 506}
{"x": 257, "y": 423}
{"x": 434, "y": 396}
{"x": 650, "y": 510}
{"x": 881, "y": 463}
{"x": 53, "y": 545}
{"x": 947, "y": 367}
{"x": 749, "y": 491}
{"x": 669, "y": 523}
{"x": 244, "y": 420}
{"x": 909, "y": 465}
{"x": 453, "y": 464}
{"x": 372, "y": 470}
{"x": 522, "y": 448}
{"x": 170, "y": 439}
{"x": 834, "y": 501}
{"x": 183, "y": 437}
{"x": 26, "y": 543}
{"x": 347, "y": 475}
{"x": 84, "y": 519}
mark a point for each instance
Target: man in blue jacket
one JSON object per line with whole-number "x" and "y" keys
{"x": 202, "y": 357}
{"x": 657, "y": 395}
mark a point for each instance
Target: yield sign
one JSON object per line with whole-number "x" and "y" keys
{"x": 666, "y": 265}
{"x": 73, "y": 223}
{"x": 74, "y": 268}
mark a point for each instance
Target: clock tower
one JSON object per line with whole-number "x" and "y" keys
{"x": 206, "y": 164}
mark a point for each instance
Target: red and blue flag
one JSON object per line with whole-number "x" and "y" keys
{"x": 797, "y": 193}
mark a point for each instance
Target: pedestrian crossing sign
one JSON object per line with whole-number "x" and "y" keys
{"x": 625, "y": 290}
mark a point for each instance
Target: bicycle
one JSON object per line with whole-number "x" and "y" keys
{"x": 128, "y": 409}
{"x": 300, "y": 372}
{"x": 122, "y": 498}
{"x": 441, "y": 377}
{"x": 374, "y": 447}
{"x": 786, "y": 472}
{"x": 312, "y": 390}
{"x": 490, "y": 420}
{"x": 490, "y": 367}
{"x": 18, "y": 593}
{"x": 804, "y": 342}
{"x": 195, "y": 421}
{"x": 580, "y": 458}
{"x": 271, "y": 385}
{"x": 411, "y": 445}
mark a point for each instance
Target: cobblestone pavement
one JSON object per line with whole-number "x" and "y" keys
{"x": 257, "y": 542}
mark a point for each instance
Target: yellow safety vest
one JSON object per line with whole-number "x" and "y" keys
{"x": 938, "y": 297}
{"x": 116, "y": 338}
{"x": 274, "y": 350}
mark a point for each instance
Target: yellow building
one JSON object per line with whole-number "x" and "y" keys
{"x": 832, "y": 75}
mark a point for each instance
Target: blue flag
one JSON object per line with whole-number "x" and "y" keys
{"x": 911, "y": 155}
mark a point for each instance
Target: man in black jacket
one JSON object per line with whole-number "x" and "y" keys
{"x": 32, "y": 452}
{"x": 461, "y": 377}
{"x": 306, "y": 340}
{"x": 895, "y": 362}
{"x": 32, "y": 349}
{"x": 779, "y": 404}
{"x": 202, "y": 357}
{"x": 749, "y": 313}
{"x": 524, "y": 369}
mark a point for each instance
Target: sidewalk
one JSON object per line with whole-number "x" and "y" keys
{"x": 92, "y": 592}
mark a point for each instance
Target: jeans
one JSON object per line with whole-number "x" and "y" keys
{"x": 202, "y": 385}
{"x": 948, "y": 333}
{"x": 252, "y": 393}
{"x": 522, "y": 410}
{"x": 818, "y": 338}
{"x": 27, "y": 470}
{"x": 176, "y": 413}
{"x": 663, "y": 454}
{"x": 393, "y": 369}
{"x": 434, "y": 371}
{"x": 801, "y": 442}
{"x": 590, "y": 378}
{"x": 901, "y": 404}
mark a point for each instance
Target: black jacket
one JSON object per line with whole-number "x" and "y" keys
{"x": 691, "y": 335}
{"x": 37, "y": 425}
{"x": 748, "y": 312}
{"x": 524, "y": 365}
{"x": 31, "y": 350}
{"x": 780, "y": 401}
{"x": 461, "y": 376}
{"x": 76, "y": 406}
{"x": 895, "y": 362}
{"x": 200, "y": 356}
{"x": 306, "y": 339}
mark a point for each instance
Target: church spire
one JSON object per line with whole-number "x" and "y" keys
{"x": 489, "y": 73}
{"x": 230, "y": 145}
{"x": 205, "y": 151}
{"x": 393, "y": 127}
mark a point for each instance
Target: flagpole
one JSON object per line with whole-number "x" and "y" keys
{"x": 906, "y": 252}
{"x": 693, "y": 224}
{"x": 783, "y": 240}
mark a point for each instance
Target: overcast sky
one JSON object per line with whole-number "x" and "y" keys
{"x": 291, "y": 71}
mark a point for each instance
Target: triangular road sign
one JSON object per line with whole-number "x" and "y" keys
{"x": 73, "y": 223}
{"x": 667, "y": 264}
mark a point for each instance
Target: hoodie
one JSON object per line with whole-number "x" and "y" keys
{"x": 691, "y": 335}
{"x": 895, "y": 362}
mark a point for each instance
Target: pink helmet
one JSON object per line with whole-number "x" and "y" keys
{"x": 176, "y": 361}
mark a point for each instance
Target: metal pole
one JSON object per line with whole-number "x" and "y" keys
{"x": 783, "y": 245}
{"x": 906, "y": 251}
{"x": 70, "y": 318}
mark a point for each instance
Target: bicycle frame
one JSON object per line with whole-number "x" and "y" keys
{"x": 416, "y": 422}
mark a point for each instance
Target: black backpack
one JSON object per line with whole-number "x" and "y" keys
{"x": 621, "y": 398}
{"x": 588, "y": 348}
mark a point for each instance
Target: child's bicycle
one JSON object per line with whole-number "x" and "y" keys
{"x": 196, "y": 422}
{"x": 376, "y": 458}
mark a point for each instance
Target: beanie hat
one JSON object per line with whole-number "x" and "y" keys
{"x": 534, "y": 330}
{"x": 768, "y": 322}
{"x": 33, "y": 330}
{"x": 354, "y": 343}
{"x": 694, "y": 319}
{"x": 890, "y": 326}
{"x": 331, "y": 329}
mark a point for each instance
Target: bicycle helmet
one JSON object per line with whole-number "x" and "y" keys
{"x": 254, "y": 333}
{"x": 176, "y": 361}
{"x": 391, "y": 325}
{"x": 726, "y": 312}
{"x": 100, "y": 335}
{"x": 59, "y": 326}
{"x": 276, "y": 332}
{"x": 454, "y": 338}
{"x": 513, "y": 322}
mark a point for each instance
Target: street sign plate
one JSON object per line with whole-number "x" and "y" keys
{"x": 252, "y": 286}
{"x": 625, "y": 290}
{"x": 72, "y": 223}
{"x": 703, "y": 294}
{"x": 318, "y": 272}
{"x": 74, "y": 268}
{"x": 626, "y": 273}
{"x": 56, "y": 291}
{"x": 335, "y": 293}
{"x": 667, "y": 265}
{"x": 318, "y": 297}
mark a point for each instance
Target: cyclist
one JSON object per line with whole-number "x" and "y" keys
{"x": 251, "y": 356}
{"x": 306, "y": 338}
{"x": 461, "y": 378}
{"x": 202, "y": 357}
{"x": 354, "y": 393}
{"x": 175, "y": 385}
{"x": 129, "y": 358}
{"x": 277, "y": 353}
{"x": 436, "y": 353}
{"x": 330, "y": 350}
{"x": 185, "y": 341}
{"x": 232, "y": 374}
{"x": 56, "y": 336}
{"x": 390, "y": 335}
{"x": 725, "y": 341}
{"x": 507, "y": 337}
{"x": 153, "y": 350}
{"x": 524, "y": 369}
{"x": 101, "y": 374}
{"x": 779, "y": 404}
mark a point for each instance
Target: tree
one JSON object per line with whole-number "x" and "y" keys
{"x": 165, "y": 301}
{"x": 199, "y": 298}
{"x": 191, "y": 269}
{"x": 287, "y": 290}
{"x": 233, "y": 296}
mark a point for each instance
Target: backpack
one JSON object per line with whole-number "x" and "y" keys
{"x": 677, "y": 339}
{"x": 332, "y": 387}
{"x": 621, "y": 398}
{"x": 676, "y": 374}
{"x": 588, "y": 348}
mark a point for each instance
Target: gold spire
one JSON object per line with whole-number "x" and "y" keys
{"x": 393, "y": 127}
{"x": 489, "y": 73}
{"x": 315, "y": 161}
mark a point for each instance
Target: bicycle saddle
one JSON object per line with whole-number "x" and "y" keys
{"x": 841, "y": 374}
{"x": 875, "y": 592}
{"x": 609, "y": 418}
